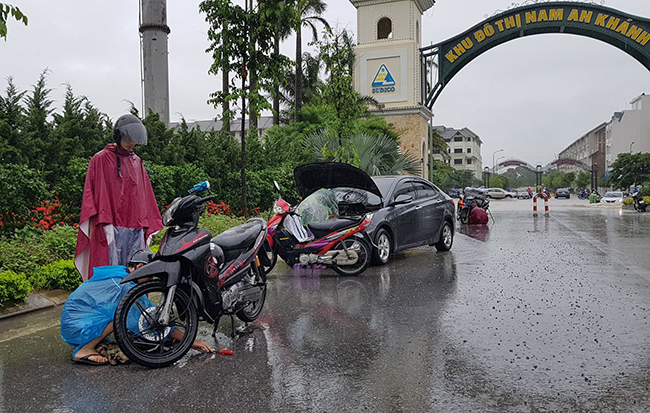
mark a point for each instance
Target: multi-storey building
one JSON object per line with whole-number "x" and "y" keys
{"x": 629, "y": 130}
{"x": 588, "y": 151}
{"x": 464, "y": 149}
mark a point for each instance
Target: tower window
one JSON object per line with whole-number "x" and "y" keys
{"x": 384, "y": 28}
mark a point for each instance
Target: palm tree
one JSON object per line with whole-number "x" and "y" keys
{"x": 309, "y": 11}
{"x": 374, "y": 154}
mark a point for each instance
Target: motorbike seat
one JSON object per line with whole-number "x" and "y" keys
{"x": 322, "y": 228}
{"x": 239, "y": 238}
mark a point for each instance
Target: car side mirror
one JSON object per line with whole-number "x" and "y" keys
{"x": 403, "y": 199}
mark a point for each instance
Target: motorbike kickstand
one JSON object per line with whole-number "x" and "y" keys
{"x": 214, "y": 331}
{"x": 232, "y": 324}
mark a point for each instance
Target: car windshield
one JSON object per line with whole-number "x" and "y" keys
{"x": 614, "y": 195}
{"x": 563, "y": 190}
{"x": 383, "y": 184}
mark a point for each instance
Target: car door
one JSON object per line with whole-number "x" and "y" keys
{"x": 429, "y": 216}
{"x": 405, "y": 215}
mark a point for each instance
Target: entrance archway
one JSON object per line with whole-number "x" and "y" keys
{"x": 442, "y": 61}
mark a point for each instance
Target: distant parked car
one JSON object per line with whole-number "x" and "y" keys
{"x": 522, "y": 194}
{"x": 612, "y": 197}
{"x": 454, "y": 192}
{"x": 562, "y": 193}
{"x": 498, "y": 193}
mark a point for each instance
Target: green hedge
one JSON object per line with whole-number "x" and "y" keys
{"x": 13, "y": 286}
{"x": 27, "y": 254}
{"x": 59, "y": 275}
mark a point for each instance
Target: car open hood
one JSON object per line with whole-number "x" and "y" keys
{"x": 314, "y": 176}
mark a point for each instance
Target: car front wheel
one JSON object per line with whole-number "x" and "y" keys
{"x": 384, "y": 247}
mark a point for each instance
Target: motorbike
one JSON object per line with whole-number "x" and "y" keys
{"x": 468, "y": 200}
{"x": 194, "y": 276}
{"x": 639, "y": 203}
{"x": 341, "y": 243}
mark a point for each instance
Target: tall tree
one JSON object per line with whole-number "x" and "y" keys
{"x": 11, "y": 118}
{"x": 337, "y": 53}
{"x": 252, "y": 30}
{"x": 36, "y": 136}
{"x": 5, "y": 11}
{"x": 309, "y": 12}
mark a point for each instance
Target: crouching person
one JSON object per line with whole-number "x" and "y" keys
{"x": 87, "y": 316}
{"x": 478, "y": 216}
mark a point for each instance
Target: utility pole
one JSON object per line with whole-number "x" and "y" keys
{"x": 155, "y": 66}
{"x": 243, "y": 117}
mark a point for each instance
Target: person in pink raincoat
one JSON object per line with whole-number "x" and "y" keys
{"x": 119, "y": 213}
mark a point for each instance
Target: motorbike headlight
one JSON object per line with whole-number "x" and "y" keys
{"x": 278, "y": 209}
{"x": 369, "y": 215}
{"x": 168, "y": 216}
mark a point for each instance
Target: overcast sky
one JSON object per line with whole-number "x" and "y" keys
{"x": 531, "y": 97}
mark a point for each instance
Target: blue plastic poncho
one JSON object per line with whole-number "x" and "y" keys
{"x": 92, "y": 306}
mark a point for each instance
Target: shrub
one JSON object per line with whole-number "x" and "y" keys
{"x": 59, "y": 275}
{"x": 628, "y": 201}
{"x": 13, "y": 286}
{"x": 61, "y": 242}
{"x": 216, "y": 224}
{"x": 22, "y": 188}
{"x": 23, "y": 255}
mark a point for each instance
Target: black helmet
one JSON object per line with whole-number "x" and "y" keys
{"x": 140, "y": 257}
{"x": 129, "y": 127}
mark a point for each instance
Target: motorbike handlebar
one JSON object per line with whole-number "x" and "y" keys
{"x": 206, "y": 199}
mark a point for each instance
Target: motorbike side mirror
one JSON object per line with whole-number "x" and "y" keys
{"x": 277, "y": 186}
{"x": 403, "y": 199}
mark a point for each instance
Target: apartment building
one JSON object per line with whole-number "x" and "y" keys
{"x": 464, "y": 149}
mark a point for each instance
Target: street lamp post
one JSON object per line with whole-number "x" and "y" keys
{"x": 631, "y": 147}
{"x": 538, "y": 181}
{"x": 498, "y": 159}
{"x": 486, "y": 176}
{"x": 495, "y": 152}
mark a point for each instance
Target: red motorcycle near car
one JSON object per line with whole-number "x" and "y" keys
{"x": 339, "y": 243}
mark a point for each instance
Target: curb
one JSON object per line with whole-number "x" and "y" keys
{"x": 40, "y": 302}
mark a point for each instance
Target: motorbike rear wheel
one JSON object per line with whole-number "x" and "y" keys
{"x": 464, "y": 215}
{"x": 363, "y": 261}
{"x": 139, "y": 334}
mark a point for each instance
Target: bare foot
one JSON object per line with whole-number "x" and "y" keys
{"x": 91, "y": 355}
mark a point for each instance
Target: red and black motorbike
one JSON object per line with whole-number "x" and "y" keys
{"x": 339, "y": 243}
{"x": 193, "y": 277}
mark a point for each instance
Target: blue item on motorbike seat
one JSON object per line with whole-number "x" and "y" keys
{"x": 236, "y": 240}
{"x": 322, "y": 228}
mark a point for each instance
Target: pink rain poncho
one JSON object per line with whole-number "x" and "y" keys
{"x": 118, "y": 214}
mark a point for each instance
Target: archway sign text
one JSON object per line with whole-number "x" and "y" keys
{"x": 442, "y": 61}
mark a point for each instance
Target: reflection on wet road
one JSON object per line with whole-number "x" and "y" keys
{"x": 546, "y": 314}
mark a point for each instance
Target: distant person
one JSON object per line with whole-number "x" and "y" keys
{"x": 477, "y": 216}
{"x": 119, "y": 213}
{"x": 87, "y": 316}
{"x": 530, "y": 192}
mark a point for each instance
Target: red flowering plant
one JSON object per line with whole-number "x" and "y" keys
{"x": 50, "y": 214}
{"x": 212, "y": 208}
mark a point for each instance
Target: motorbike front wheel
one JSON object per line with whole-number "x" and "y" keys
{"x": 139, "y": 333}
{"x": 364, "y": 255}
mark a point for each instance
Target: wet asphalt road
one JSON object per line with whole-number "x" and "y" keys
{"x": 527, "y": 315}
